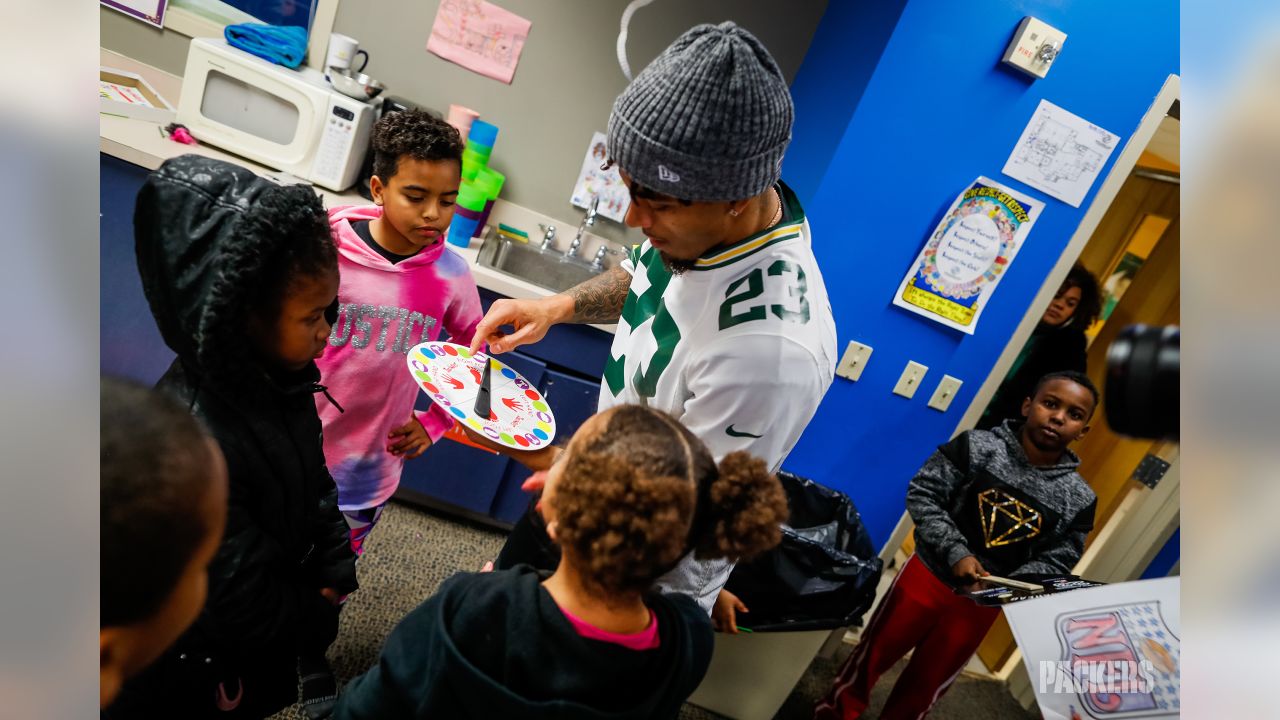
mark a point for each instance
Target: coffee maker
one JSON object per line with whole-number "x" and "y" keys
{"x": 389, "y": 104}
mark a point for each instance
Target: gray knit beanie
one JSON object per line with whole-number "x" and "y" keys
{"x": 708, "y": 120}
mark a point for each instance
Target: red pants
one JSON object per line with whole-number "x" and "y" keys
{"x": 920, "y": 612}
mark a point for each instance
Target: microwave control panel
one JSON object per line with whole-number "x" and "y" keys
{"x": 335, "y": 158}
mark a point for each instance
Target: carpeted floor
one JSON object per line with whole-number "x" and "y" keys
{"x": 411, "y": 552}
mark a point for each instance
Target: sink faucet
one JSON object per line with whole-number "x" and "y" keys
{"x": 548, "y": 236}
{"x": 588, "y": 220}
{"x": 597, "y": 263}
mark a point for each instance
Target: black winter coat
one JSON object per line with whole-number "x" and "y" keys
{"x": 285, "y": 538}
{"x": 496, "y": 645}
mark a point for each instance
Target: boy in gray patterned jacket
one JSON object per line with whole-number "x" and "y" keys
{"x": 1006, "y": 502}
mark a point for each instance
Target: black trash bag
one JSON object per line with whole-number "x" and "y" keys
{"x": 822, "y": 575}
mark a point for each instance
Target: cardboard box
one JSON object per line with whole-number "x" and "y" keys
{"x": 129, "y": 95}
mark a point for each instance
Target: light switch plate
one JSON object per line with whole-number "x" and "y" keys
{"x": 945, "y": 392}
{"x": 910, "y": 379}
{"x": 1034, "y": 47}
{"x": 854, "y": 360}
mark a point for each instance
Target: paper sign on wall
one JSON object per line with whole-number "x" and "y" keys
{"x": 479, "y": 36}
{"x": 1060, "y": 153}
{"x": 148, "y": 11}
{"x": 1104, "y": 652}
{"x": 607, "y": 185}
{"x": 954, "y": 275}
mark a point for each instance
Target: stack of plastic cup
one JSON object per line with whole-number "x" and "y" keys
{"x": 490, "y": 183}
{"x": 466, "y": 215}
{"x": 475, "y": 157}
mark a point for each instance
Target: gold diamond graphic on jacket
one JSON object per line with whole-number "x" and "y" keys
{"x": 1006, "y": 520}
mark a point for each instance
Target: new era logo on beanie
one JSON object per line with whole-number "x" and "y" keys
{"x": 715, "y": 105}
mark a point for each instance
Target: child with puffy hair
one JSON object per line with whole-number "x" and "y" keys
{"x": 633, "y": 492}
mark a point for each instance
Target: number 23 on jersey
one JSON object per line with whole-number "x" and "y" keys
{"x": 738, "y": 307}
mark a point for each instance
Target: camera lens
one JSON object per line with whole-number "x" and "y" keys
{"x": 1142, "y": 382}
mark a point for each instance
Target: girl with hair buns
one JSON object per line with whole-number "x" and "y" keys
{"x": 633, "y": 492}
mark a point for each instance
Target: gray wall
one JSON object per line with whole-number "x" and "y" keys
{"x": 158, "y": 48}
{"x": 564, "y": 86}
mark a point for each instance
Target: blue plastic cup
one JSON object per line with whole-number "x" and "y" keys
{"x": 483, "y": 133}
{"x": 461, "y": 230}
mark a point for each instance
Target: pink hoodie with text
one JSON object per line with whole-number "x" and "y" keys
{"x": 384, "y": 310}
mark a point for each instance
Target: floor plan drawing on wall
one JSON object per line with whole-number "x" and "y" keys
{"x": 1060, "y": 153}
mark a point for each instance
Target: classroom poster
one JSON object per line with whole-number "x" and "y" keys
{"x": 594, "y": 181}
{"x": 953, "y": 277}
{"x": 1104, "y": 652}
{"x": 479, "y": 36}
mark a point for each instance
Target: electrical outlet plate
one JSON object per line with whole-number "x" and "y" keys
{"x": 1034, "y": 47}
{"x": 945, "y": 392}
{"x": 910, "y": 379}
{"x": 854, "y": 360}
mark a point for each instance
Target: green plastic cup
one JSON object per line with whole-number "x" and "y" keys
{"x": 472, "y": 196}
{"x": 491, "y": 182}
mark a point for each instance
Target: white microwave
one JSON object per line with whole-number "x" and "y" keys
{"x": 290, "y": 120}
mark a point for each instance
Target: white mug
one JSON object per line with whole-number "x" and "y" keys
{"x": 342, "y": 50}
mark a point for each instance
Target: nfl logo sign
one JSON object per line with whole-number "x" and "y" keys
{"x": 1123, "y": 659}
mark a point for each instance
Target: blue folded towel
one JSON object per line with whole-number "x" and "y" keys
{"x": 281, "y": 44}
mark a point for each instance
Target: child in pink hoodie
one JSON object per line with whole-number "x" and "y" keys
{"x": 400, "y": 286}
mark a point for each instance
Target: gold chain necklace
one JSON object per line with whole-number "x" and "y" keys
{"x": 777, "y": 215}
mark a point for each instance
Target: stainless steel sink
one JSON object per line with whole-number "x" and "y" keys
{"x": 546, "y": 268}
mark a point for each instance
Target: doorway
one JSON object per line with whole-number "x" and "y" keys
{"x": 1135, "y": 255}
{"x": 1129, "y": 240}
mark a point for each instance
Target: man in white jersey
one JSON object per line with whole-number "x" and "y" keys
{"x": 723, "y": 317}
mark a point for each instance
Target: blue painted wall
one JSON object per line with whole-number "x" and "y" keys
{"x": 1163, "y": 562}
{"x": 938, "y": 111}
{"x": 832, "y": 97}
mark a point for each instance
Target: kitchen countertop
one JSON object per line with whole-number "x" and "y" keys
{"x": 144, "y": 144}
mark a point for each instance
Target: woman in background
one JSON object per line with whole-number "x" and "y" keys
{"x": 1058, "y": 343}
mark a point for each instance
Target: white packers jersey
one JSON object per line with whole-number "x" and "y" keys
{"x": 741, "y": 348}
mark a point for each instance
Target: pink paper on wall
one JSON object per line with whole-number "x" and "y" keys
{"x": 479, "y": 36}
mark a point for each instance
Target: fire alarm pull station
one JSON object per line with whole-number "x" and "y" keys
{"x": 1034, "y": 47}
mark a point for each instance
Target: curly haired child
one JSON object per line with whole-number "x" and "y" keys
{"x": 633, "y": 492}
{"x": 242, "y": 276}
{"x": 401, "y": 285}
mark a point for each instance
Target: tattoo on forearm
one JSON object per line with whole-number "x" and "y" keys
{"x": 600, "y": 299}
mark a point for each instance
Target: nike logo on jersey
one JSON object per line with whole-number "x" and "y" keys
{"x": 738, "y": 433}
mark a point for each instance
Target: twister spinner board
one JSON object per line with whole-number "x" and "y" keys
{"x": 519, "y": 417}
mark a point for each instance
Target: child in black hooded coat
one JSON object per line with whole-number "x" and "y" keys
{"x": 241, "y": 275}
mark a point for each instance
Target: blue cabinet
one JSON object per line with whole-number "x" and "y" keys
{"x": 129, "y": 342}
{"x": 573, "y": 400}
